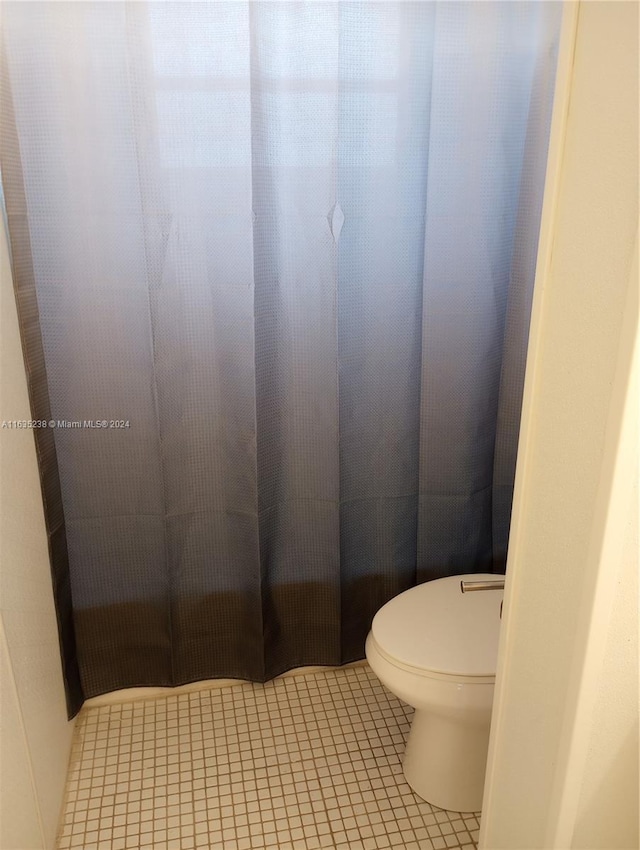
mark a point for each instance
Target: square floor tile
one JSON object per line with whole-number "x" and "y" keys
{"x": 305, "y": 762}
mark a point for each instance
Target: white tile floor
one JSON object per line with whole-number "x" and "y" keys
{"x": 303, "y": 762}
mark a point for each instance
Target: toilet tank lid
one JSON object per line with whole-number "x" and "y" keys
{"x": 434, "y": 626}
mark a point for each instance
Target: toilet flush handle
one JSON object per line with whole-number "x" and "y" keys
{"x": 467, "y": 586}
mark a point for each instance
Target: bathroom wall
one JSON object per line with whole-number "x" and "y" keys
{"x": 35, "y": 736}
{"x": 563, "y": 758}
{"x": 607, "y": 815}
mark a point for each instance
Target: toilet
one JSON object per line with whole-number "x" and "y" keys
{"x": 435, "y": 648}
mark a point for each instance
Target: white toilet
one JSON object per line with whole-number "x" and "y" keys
{"x": 435, "y": 648}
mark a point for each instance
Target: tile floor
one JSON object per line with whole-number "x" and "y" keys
{"x": 303, "y": 762}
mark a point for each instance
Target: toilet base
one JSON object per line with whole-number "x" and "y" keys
{"x": 445, "y": 761}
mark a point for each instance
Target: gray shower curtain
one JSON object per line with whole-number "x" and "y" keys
{"x": 285, "y": 251}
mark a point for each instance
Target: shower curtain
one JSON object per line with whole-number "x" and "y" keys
{"x": 273, "y": 264}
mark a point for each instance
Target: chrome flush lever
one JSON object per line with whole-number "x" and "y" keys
{"x": 468, "y": 586}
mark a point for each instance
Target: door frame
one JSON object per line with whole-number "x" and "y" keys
{"x": 593, "y": 594}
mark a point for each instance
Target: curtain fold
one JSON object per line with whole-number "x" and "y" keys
{"x": 291, "y": 246}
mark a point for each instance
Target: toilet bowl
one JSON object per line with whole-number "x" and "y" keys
{"x": 435, "y": 648}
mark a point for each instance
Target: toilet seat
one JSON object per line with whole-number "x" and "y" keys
{"x": 432, "y": 674}
{"x": 436, "y": 631}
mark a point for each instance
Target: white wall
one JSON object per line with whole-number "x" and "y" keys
{"x": 563, "y": 745}
{"x": 35, "y": 736}
{"x": 607, "y": 815}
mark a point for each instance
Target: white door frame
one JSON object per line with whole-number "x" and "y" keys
{"x": 561, "y": 746}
